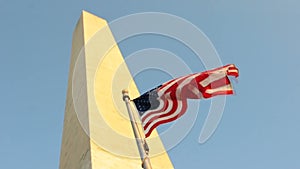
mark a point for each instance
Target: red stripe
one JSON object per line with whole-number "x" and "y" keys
{"x": 166, "y": 104}
{"x": 182, "y": 111}
{"x": 235, "y": 74}
{"x": 174, "y": 107}
{"x": 224, "y": 92}
{"x": 218, "y": 83}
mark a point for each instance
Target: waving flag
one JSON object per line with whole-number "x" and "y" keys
{"x": 168, "y": 101}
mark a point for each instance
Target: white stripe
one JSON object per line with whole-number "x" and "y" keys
{"x": 178, "y": 110}
{"x": 234, "y": 71}
{"x": 211, "y": 78}
{"x": 195, "y": 90}
{"x": 223, "y": 88}
{"x": 170, "y": 105}
{"x": 183, "y": 84}
{"x": 162, "y": 91}
{"x": 161, "y": 105}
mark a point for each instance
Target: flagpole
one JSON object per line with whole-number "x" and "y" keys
{"x": 141, "y": 143}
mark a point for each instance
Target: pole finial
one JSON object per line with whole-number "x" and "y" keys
{"x": 124, "y": 91}
{"x": 125, "y": 94}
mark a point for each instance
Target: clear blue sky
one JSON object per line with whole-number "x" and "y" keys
{"x": 260, "y": 125}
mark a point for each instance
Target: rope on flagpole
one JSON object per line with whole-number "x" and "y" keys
{"x": 135, "y": 122}
{"x": 141, "y": 143}
{"x": 142, "y": 136}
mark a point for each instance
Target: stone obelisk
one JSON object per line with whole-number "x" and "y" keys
{"x": 97, "y": 133}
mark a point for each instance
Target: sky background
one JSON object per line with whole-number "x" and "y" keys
{"x": 260, "y": 125}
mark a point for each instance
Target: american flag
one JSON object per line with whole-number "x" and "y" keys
{"x": 168, "y": 101}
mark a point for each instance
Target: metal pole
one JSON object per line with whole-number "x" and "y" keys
{"x": 139, "y": 141}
